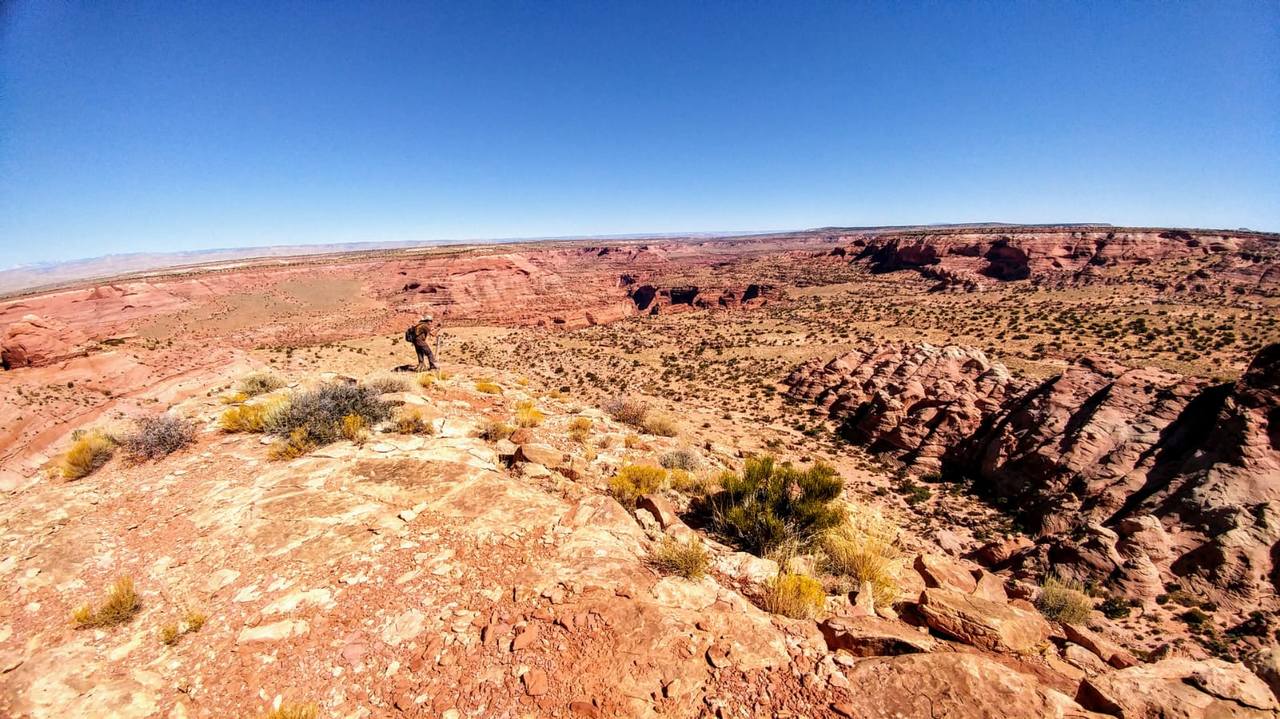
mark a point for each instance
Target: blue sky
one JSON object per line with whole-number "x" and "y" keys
{"x": 152, "y": 126}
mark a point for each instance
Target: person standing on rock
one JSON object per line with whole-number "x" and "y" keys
{"x": 423, "y": 334}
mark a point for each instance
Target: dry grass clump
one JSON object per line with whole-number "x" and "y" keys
{"x": 771, "y": 505}
{"x": 865, "y": 548}
{"x": 690, "y": 483}
{"x": 634, "y": 481}
{"x": 1064, "y": 600}
{"x": 171, "y": 632}
{"x": 256, "y": 383}
{"x": 413, "y": 420}
{"x": 118, "y": 606}
{"x": 295, "y": 445}
{"x": 580, "y": 429}
{"x": 485, "y": 386}
{"x": 660, "y": 425}
{"x": 793, "y": 595}
{"x": 252, "y": 417}
{"x": 89, "y": 451}
{"x": 387, "y": 384}
{"x": 627, "y": 410}
{"x": 493, "y": 430}
{"x": 426, "y": 380}
{"x": 528, "y": 415}
{"x": 633, "y": 441}
{"x": 293, "y": 711}
{"x": 158, "y": 436}
{"x": 687, "y": 559}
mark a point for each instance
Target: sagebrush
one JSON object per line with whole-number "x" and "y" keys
{"x": 158, "y": 436}
{"x": 1064, "y": 600}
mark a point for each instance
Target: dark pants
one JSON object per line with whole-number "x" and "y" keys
{"x": 424, "y": 352}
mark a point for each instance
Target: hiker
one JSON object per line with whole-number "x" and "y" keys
{"x": 422, "y": 335}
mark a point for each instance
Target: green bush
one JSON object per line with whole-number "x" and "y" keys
{"x": 1064, "y": 600}
{"x": 771, "y": 505}
{"x": 634, "y": 481}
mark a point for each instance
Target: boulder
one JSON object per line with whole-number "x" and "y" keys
{"x": 661, "y": 509}
{"x": 1266, "y": 664}
{"x": 542, "y": 454}
{"x": 870, "y": 636}
{"x": 945, "y": 572}
{"x": 1106, "y": 650}
{"x": 983, "y": 623}
{"x": 1184, "y": 688}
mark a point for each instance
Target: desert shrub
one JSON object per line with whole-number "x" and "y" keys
{"x": 627, "y": 410}
{"x": 699, "y": 485}
{"x": 426, "y": 380}
{"x": 793, "y": 595}
{"x": 488, "y": 387}
{"x": 660, "y": 425}
{"x": 293, "y": 711}
{"x": 412, "y": 420}
{"x": 158, "y": 436}
{"x": 252, "y": 385}
{"x": 685, "y": 459}
{"x": 354, "y": 428}
{"x": 118, "y": 606}
{"x": 687, "y": 559}
{"x": 1063, "y": 600}
{"x": 169, "y": 634}
{"x": 89, "y": 451}
{"x": 634, "y": 481}
{"x": 633, "y": 441}
{"x": 528, "y": 415}
{"x": 295, "y": 445}
{"x": 194, "y": 620}
{"x": 865, "y": 548}
{"x": 252, "y": 417}
{"x": 773, "y": 504}
{"x": 1116, "y": 607}
{"x": 579, "y": 429}
{"x": 387, "y": 384}
{"x": 318, "y": 413}
{"x": 493, "y": 430}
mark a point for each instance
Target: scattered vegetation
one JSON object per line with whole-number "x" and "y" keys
{"x": 793, "y": 595}
{"x": 171, "y": 632}
{"x": 528, "y": 415}
{"x": 772, "y": 504}
{"x": 634, "y": 481}
{"x": 865, "y": 548}
{"x": 158, "y": 436}
{"x": 687, "y": 559}
{"x": 118, "y": 606}
{"x": 252, "y": 385}
{"x": 1063, "y": 600}
{"x": 89, "y": 451}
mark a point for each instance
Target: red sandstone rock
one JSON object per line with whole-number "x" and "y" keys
{"x": 33, "y": 341}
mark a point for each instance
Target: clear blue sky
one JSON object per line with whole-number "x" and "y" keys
{"x": 143, "y": 126}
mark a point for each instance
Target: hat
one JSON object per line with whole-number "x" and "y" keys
{"x": 427, "y": 317}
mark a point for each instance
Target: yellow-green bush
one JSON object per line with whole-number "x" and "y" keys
{"x": 793, "y": 595}
{"x": 118, "y": 606}
{"x": 293, "y": 711}
{"x": 771, "y": 505}
{"x": 865, "y": 548}
{"x": 488, "y": 387}
{"x": 493, "y": 430}
{"x": 1064, "y": 600}
{"x": 413, "y": 420}
{"x": 579, "y": 429}
{"x": 89, "y": 451}
{"x": 528, "y": 415}
{"x": 256, "y": 383}
{"x": 355, "y": 428}
{"x": 295, "y": 445}
{"x": 252, "y": 417}
{"x": 635, "y": 480}
{"x": 688, "y": 559}
{"x": 660, "y": 425}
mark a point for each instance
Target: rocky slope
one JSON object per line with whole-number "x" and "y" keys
{"x": 442, "y": 575}
{"x": 1136, "y": 476}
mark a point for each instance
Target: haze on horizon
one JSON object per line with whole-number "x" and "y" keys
{"x": 161, "y": 127}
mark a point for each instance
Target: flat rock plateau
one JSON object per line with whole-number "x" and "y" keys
{"x": 1056, "y": 454}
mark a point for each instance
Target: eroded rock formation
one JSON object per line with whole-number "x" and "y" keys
{"x": 1136, "y": 475}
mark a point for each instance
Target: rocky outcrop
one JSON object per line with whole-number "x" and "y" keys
{"x": 1138, "y": 476}
{"x": 653, "y": 300}
{"x": 34, "y": 341}
{"x": 973, "y": 258}
{"x": 1205, "y": 689}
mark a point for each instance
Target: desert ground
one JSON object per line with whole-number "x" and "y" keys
{"x": 1056, "y": 454}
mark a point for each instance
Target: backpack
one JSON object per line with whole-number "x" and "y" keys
{"x": 408, "y": 334}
